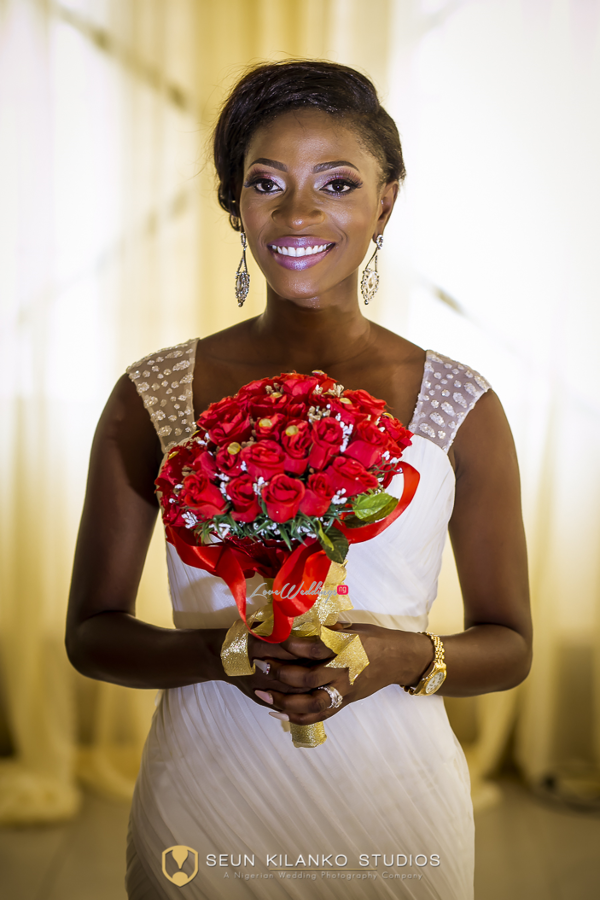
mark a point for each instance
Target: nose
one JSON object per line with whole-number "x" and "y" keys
{"x": 298, "y": 210}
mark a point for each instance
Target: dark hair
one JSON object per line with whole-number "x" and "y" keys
{"x": 270, "y": 89}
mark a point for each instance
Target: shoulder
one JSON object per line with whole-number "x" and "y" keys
{"x": 163, "y": 380}
{"x": 449, "y": 391}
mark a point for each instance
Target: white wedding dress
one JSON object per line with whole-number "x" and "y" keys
{"x": 382, "y": 808}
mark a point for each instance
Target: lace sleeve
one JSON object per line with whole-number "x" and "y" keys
{"x": 164, "y": 382}
{"x": 449, "y": 391}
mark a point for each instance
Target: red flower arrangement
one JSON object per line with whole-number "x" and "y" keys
{"x": 288, "y": 467}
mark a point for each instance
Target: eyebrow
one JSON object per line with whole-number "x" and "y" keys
{"x": 322, "y": 167}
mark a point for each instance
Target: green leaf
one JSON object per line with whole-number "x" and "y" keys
{"x": 324, "y": 540}
{"x": 356, "y": 522}
{"x": 334, "y": 543}
{"x": 368, "y": 506}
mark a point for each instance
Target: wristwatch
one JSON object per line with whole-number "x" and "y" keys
{"x": 433, "y": 679}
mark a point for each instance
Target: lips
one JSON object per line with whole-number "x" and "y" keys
{"x": 300, "y": 252}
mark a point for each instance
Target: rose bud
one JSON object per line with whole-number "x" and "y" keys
{"x": 246, "y": 506}
{"x": 269, "y": 426}
{"x": 253, "y": 389}
{"x": 396, "y": 430}
{"x": 229, "y": 459}
{"x": 348, "y": 473}
{"x": 297, "y": 385}
{"x": 368, "y": 444}
{"x": 327, "y": 435}
{"x": 233, "y": 425}
{"x": 171, "y": 472}
{"x": 317, "y": 498}
{"x": 349, "y": 412}
{"x": 283, "y": 496}
{"x": 368, "y": 404}
{"x": 263, "y": 458}
{"x": 267, "y": 405}
{"x": 201, "y": 496}
{"x": 296, "y": 440}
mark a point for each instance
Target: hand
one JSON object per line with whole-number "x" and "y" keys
{"x": 395, "y": 657}
{"x": 304, "y": 652}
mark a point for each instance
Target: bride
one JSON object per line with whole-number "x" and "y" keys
{"x": 309, "y": 167}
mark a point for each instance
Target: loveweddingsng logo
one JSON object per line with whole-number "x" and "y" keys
{"x": 180, "y": 853}
{"x": 291, "y": 591}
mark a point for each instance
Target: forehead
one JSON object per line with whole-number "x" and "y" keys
{"x": 310, "y": 133}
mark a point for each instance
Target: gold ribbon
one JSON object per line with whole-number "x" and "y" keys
{"x": 350, "y": 653}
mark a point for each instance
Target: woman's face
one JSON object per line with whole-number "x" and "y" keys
{"x": 310, "y": 203}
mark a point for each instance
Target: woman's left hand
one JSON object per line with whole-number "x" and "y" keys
{"x": 395, "y": 657}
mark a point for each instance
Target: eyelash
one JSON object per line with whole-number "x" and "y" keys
{"x": 345, "y": 180}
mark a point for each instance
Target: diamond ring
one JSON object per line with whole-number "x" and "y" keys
{"x": 336, "y": 697}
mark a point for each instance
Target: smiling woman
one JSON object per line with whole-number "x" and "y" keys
{"x": 309, "y": 166}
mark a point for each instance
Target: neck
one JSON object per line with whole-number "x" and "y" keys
{"x": 313, "y": 335}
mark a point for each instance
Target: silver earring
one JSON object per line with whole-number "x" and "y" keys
{"x": 370, "y": 278}
{"x": 242, "y": 276}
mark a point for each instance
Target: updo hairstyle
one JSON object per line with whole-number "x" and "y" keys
{"x": 268, "y": 90}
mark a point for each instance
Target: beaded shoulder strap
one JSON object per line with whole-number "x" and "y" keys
{"x": 449, "y": 391}
{"x": 164, "y": 382}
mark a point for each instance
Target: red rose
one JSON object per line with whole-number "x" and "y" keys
{"x": 171, "y": 471}
{"x": 297, "y": 410}
{"x": 296, "y": 440}
{"x": 229, "y": 459}
{"x": 396, "y": 430}
{"x": 327, "y": 435}
{"x": 243, "y": 496}
{"x": 203, "y": 497}
{"x": 317, "y": 498}
{"x": 368, "y": 444}
{"x": 216, "y": 411}
{"x": 172, "y": 514}
{"x": 349, "y": 412}
{"x": 253, "y": 389}
{"x": 268, "y": 404}
{"x": 226, "y": 420}
{"x": 347, "y": 473}
{"x": 325, "y": 383}
{"x": 363, "y": 399}
{"x": 297, "y": 385}
{"x": 283, "y": 496}
{"x": 269, "y": 426}
{"x": 263, "y": 458}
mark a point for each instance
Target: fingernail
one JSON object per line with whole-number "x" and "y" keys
{"x": 283, "y": 716}
{"x": 345, "y": 624}
{"x": 264, "y": 696}
{"x": 264, "y": 667}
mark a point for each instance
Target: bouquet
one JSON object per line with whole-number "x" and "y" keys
{"x": 279, "y": 480}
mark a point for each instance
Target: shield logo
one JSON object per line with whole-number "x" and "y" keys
{"x": 179, "y": 853}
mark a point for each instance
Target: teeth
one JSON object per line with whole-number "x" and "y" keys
{"x": 299, "y": 251}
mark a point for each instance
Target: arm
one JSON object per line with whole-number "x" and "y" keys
{"x": 486, "y": 530}
{"x": 104, "y": 640}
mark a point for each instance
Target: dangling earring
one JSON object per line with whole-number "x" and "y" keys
{"x": 242, "y": 276}
{"x": 370, "y": 279}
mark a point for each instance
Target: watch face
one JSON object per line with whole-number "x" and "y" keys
{"x": 435, "y": 682}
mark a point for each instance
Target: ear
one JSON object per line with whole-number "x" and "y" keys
{"x": 387, "y": 199}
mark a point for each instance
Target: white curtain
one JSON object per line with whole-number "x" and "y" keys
{"x": 497, "y": 101}
{"x": 112, "y": 245}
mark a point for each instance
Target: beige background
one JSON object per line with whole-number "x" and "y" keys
{"x": 113, "y": 246}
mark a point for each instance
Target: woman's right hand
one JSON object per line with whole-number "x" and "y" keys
{"x": 306, "y": 651}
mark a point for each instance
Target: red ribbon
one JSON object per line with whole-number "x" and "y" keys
{"x": 298, "y": 577}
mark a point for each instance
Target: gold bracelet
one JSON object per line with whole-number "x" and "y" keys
{"x": 436, "y": 675}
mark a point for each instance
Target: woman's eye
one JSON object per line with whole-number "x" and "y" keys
{"x": 340, "y": 186}
{"x": 264, "y": 185}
